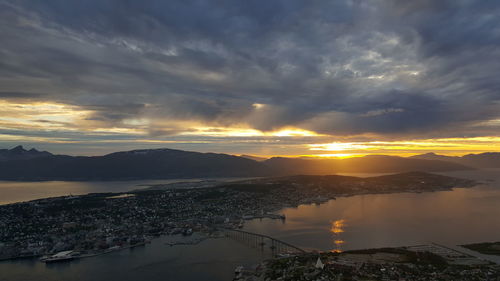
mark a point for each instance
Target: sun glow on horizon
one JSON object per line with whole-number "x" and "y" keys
{"x": 444, "y": 146}
{"x": 53, "y": 122}
{"x": 337, "y": 155}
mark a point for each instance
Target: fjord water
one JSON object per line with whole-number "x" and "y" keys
{"x": 367, "y": 221}
{"x": 464, "y": 215}
{"x": 213, "y": 259}
{"x": 20, "y": 191}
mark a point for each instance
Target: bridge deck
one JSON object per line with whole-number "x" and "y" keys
{"x": 274, "y": 241}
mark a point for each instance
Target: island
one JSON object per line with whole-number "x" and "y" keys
{"x": 92, "y": 224}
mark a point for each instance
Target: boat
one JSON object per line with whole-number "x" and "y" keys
{"x": 238, "y": 270}
{"x": 60, "y": 257}
{"x": 187, "y": 232}
{"x": 238, "y": 273}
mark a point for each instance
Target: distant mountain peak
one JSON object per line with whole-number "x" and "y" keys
{"x": 20, "y": 153}
{"x": 18, "y": 148}
{"x": 431, "y": 155}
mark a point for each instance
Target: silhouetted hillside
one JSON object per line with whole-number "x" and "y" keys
{"x": 367, "y": 164}
{"x": 170, "y": 163}
{"x": 256, "y": 158}
{"x": 136, "y": 164}
{"x": 482, "y": 160}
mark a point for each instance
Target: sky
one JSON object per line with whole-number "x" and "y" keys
{"x": 283, "y": 77}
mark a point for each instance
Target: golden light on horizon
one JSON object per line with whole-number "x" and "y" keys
{"x": 293, "y": 132}
{"x": 336, "y": 155}
{"x": 29, "y": 117}
{"x": 339, "y": 146}
{"x": 247, "y": 132}
{"x": 39, "y": 114}
{"x": 446, "y": 146}
{"x": 52, "y": 116}
{"x": 258, "y": 105}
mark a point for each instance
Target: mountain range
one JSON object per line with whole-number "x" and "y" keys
{"x": 482, "y": 160}
{"x": 19, "y": 153}
{"x": 21, "y": 164}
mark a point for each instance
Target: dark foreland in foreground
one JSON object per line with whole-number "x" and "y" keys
{"x": 32, "y": 165}
{"x": 414, "y": 263}
{"x": 95, "y": 223}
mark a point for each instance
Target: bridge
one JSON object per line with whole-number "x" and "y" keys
{"x": 261, "y": 241}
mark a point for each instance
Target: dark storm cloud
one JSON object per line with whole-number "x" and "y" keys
{"x": 115, "y": 112}
{"x": 336, "y": 67}
{"x": 20, "y": 95}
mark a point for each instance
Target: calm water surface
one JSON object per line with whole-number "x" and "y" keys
{"x": 449, "y": 217}
{"x": 213, "y": 259}
{"x": 17, "y": 191}
{"x": 464, "y": 215}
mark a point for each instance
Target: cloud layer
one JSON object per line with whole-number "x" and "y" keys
{"x": 345, "y": 69}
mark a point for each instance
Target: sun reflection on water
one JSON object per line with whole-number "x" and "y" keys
{"x": 337, "y": 228}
